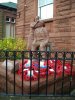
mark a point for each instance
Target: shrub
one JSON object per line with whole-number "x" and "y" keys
{"x": 12, "y": 45}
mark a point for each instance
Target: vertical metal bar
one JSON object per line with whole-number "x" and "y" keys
{"x": 6, "y": 54}
{"x": 39, "y": 71}
{"x": 30, "y": 71}
{"x": 72, "y": 56}
{"x": 64, "y": 55}
{"x": 56, "y": 55}
{"x": 22, "y": 69}
{"x": 14, "y": 69}
{"x": 47, "y": 72}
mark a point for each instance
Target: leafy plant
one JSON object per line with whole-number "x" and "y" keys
{"x": 10, "y": 44}
{"x": 13, "y": 44}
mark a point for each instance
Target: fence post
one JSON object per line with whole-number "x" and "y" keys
{"x": 30, "y": 70}
{"x": 6, "y": 54}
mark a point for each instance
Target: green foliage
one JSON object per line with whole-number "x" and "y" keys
{"x": 13, "y": 44}
{"x": 10, "y": 44}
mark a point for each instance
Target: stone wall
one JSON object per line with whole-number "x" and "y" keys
{"x": 64, "y": 22}
{"x": 3, "y": 14}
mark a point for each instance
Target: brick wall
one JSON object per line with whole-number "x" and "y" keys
{"x": 64, "y": 22}
{"x": 25, "y": 15}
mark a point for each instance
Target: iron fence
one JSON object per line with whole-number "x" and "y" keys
{"x": 60, "y": 82}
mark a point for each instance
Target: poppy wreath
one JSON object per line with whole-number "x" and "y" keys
{"x": 39, "y": 69}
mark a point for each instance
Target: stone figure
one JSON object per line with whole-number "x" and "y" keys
{"x": 38, "y": 36}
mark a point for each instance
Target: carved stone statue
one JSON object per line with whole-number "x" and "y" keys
{"x": 38, "y": 36}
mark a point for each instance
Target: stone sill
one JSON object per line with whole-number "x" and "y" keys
{"x": 48, "y": 20}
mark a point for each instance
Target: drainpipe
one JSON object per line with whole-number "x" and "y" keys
{"x": 24, "y": 19}
{"x": 3, "y": 25}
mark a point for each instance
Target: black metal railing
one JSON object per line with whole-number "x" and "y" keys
{"x": 55, "y": 84}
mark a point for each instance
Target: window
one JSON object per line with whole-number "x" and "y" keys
{"x": 10, "y": 27}
{"x": 8, "y": 19}
{"x": 45, "y": 9}
{"x": 13, "y": 20}
{"x": 7, "y": 30}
